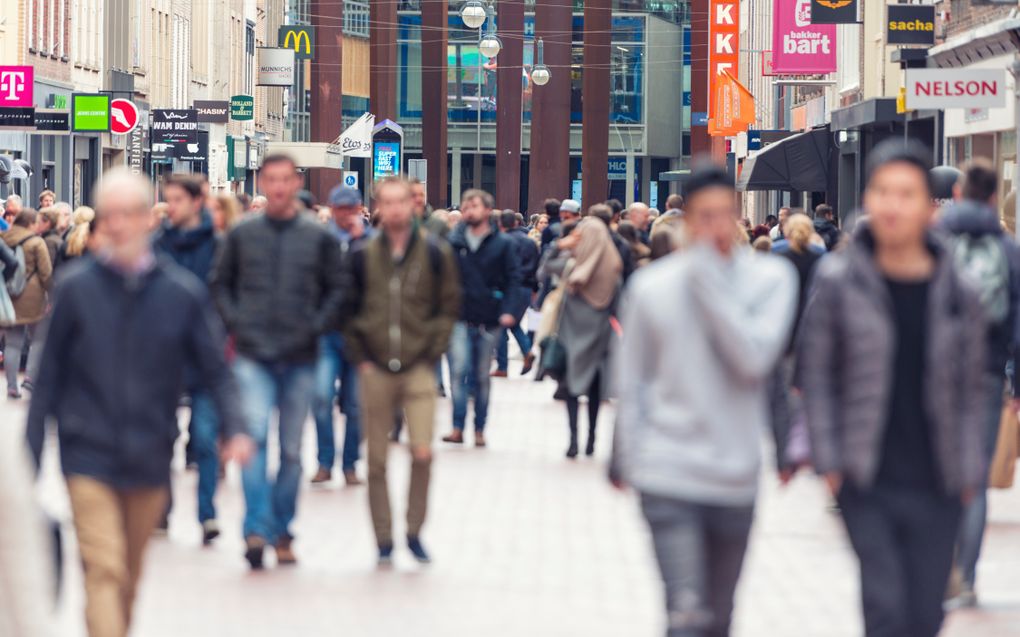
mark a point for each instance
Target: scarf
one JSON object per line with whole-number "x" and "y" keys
{"x": 597, "y": 265}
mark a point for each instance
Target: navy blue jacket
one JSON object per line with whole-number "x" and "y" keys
{"x": 194, "y": 250}
{"x": 490, "y": 278}
{"x": 527, "y": 256}
{"x": 112, "y": 370}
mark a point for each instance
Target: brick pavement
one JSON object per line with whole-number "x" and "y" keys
{"x": 524, "y": 543}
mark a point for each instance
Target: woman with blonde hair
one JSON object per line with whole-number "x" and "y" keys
{"x": 225, "y": 210}
{"x": 77, "y": 243}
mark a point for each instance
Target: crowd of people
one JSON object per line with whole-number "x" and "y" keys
{"x": 875, "y": 355}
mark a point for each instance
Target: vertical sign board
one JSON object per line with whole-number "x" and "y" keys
{"x": 833, "y": 11}
{"x": 723, "y": 42}
{"x": 798, "y": 46}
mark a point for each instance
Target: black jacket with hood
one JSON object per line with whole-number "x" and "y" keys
{"x": 490, "y": 278}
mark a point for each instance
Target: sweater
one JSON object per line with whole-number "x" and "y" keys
{"x": 702, "y": 333}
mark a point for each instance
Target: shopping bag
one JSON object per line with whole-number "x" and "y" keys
{"x": 1003, "y": 467}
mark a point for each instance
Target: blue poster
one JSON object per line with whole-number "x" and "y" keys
{"x": 385, "y": 159}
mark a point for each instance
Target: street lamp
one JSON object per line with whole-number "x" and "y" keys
{"x": 473, "y": 14}
{"x": 490, "y": 45}
{"x": 540, "y": 74}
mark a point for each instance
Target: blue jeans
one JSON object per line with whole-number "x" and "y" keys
{"x": 972, "y": 527}
{"x": 331, "y": 367}
{"x": 471, "y": 350}
{"x": 205, "y": 428}
{"x": 502, "y": 349}
{"x": 271, "y": 505}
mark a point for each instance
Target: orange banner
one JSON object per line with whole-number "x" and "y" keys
{"x": 732, "y": 109}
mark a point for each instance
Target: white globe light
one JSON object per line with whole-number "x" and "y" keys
{"x": 473, "y": 14}
{"x": 540, "y": 75}
{"x": 490, "y": 46}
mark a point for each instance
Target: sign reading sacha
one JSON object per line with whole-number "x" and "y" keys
{"x": 910, "y": 24}
{"x": 213, "y": 111}
{"x": 833, "y": 11}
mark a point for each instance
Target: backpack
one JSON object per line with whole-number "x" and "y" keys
{"x": 17, "y": 283}
{"x": 982, "y": 260}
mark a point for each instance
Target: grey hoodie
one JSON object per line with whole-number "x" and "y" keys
{"x": 701, "y": 336}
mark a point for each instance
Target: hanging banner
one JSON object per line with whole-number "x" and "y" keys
{"x": 799, "y": 47}
{"x": 275, "y": 67}
{"x": 833, "y": 11}
{"x": 734, "y": 108}
{"x": 356, "y": 141}
{"x": 724, "y": 42}
{"x": 909, "y": 24}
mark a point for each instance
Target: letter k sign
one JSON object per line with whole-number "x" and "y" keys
{"x": 16, "y": 86}
{"x": 724, "y": 14}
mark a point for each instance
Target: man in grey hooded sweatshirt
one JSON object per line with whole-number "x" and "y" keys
{"x": 703, "y": 331}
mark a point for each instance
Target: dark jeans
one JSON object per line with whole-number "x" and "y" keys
{"x": 204, "y": 432}
{"x": 503, "y": 346}
{"x": 471, "y": 350}
{"x": 972, "y": 530}
{"x": 700, "y": 550}
{"x": 904, "y": 540}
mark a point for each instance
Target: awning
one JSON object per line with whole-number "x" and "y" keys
{"x": 799, "y": 164}
{"x": 309, "y": 154}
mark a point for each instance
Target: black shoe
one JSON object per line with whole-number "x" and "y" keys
{"x": 572, "y": 449}
{"x": 27, "y": 385}
{"x": 210, "y": 531}
{"x": 385, "y": 555}
{"x": 589, "y": 449}
{"x": 255, "y": 548}
{"x": 414, "y": 544}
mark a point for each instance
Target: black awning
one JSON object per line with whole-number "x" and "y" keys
{"x": 799, "y": 163}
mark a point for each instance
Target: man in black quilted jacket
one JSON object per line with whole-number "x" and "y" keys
{"x": 279, "y": 286}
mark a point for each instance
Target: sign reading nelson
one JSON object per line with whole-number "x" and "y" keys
{"x": 300, "y": 38}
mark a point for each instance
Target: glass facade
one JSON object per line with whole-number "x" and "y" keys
{"x": 472, "y": 93}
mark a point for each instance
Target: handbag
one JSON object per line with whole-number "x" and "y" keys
{"x": 7, "y": 315}
{"x": 1003, "y": 467}
{"x": 553, "y": 361}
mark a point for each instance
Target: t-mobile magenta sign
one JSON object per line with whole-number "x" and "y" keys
{"x": 16, "y": 86}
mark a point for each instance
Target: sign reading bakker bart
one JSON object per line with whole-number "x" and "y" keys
{"x": 213, "y": 111}
{"x": 799, "y": 47}
{"x": 275, "y": 66}
{"x": 123, "y": 116}
{"x": 724, "y": 43}
{"x": 833, "y": 11}
{"x": 910, "y": 24}
{"x": 955, "y": 88}
{"x": 16, "y": 86}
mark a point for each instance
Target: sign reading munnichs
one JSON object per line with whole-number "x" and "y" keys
{"x": 956, "y": 88}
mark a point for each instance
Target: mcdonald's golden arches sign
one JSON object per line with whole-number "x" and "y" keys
{"x": 301, "y": 38}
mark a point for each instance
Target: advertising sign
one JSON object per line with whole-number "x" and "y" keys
{"x": 955, "y": 88}
{"x": 387, "y": 159}
{"x": 242, "y": 108}
{"x": 136, "y": 150}
{"x": 356, "y": 141}
{"x": 90, "y": 112}
{"x": 213, "y": 111}
{"x": 910, "y": 24}
{"x": 196, "y": 148}
{"x": 299, "y": 38}
{"x": 123, "y": 116}
{"x": 799, "y": 47}
{"x": 734, "y": 108}
{"x": 52, "y": 121}
{"x": 275, "y": 67}
{"x": 174, "y": 120}
{"x": 11, "y": 117}
{"x": 724, "y": 46}
{"x": 16, "y": 86}
{"x": 833, "y": 11}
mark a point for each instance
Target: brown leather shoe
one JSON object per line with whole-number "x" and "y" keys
{"x": 351, "y": 478}
{"x": 499, "y": 373}
{"x": 529, "y": 363}
{"x": 456, "y": 437}
{"x": 322, "y": 475}
{"x": 479, "y": 439}
{"x": 284, "y": 553}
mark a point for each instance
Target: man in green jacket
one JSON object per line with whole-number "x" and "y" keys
{"x": 406, "y": 296}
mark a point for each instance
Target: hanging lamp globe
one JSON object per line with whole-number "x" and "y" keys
{"x": 473, "y": 14}
{"x": 490, "y": 45}
{"x": 540, "y": 75}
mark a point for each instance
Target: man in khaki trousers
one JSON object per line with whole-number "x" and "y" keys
{"x": 123, "y": 328}
{"x": 405, "y": 299}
